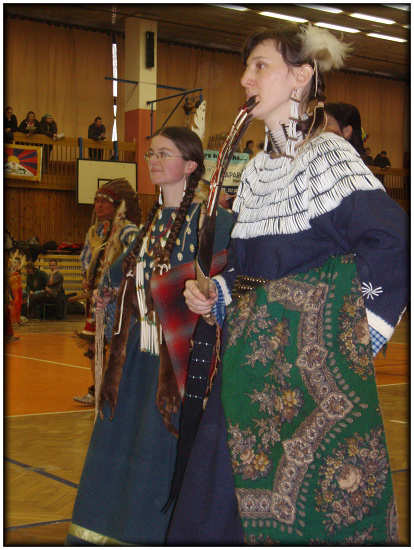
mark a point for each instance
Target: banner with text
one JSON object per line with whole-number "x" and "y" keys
{"x": 234, "y": 171}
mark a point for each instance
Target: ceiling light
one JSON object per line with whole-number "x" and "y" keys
{"x": 386, "y": 37}
{"x": 231, "y": 7}
{"x": 283, "y": 16}
{"x": 319, "y": 7}
{"x": 372, "y": 18}
{"x": 336, "y": 27}
{"x": 403, "y": 7}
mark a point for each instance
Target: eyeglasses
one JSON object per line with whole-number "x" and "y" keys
{"x": 162, "y": 155}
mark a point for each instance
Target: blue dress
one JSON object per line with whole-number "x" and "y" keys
{"x": 130, "y": 462}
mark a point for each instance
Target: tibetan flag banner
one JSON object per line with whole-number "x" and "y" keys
{"x": 23, "y": 162}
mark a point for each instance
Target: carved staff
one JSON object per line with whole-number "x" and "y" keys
{"x": 204, "y": 354}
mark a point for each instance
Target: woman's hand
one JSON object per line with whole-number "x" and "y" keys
{"x": 195, "y": 299}
{"x": 101, "y": 298}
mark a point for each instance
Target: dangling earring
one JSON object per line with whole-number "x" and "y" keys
{"x": 160, "y": 197}
{"x": 293, "y": 120}
{"x": 315, "y": 70}
{"x": 185, "y": 185}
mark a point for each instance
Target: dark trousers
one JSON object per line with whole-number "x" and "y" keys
{"x": 47, "y": 150}
{"x": 95, "y": 154}
{"x": 42, "y": 297}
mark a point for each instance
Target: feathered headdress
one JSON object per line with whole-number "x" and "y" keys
{"x": 17, "y": 261}
{"x": 323, "y": 47}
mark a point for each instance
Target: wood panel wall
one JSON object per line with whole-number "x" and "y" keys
{"x": 48, "y": 215}
{"x": 52, "y": 215}
{"x": 384, "y": 106}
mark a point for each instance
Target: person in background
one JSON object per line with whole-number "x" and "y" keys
{"x": 48, "y": 127}
{"x": 344, "y": 120}
{"x": 96, "y": 131}
{"x": 367, "y": 158}
{"x": 249, "y": 148}
{"x": 53, "y": 291}
{"x": 9, "y": 333}
{"x": 130, "y": 461}
{"x": 10, "y": 125}
{"x": 382, "y": 160}
{"x": 15, "y": 288}
{"x": 8, "y": 299}
{"x": 106, "y": 239}
{"x": 30, "y": 125}
{"x": 35, "y": 280}
{"x": 291, "y": 447}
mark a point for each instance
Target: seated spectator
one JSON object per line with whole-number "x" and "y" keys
{"x": 10, "y": 125}
{"x": 382, "y": 160}
{"x": 249, "y": 148}
{"x": 344, "y": 120}
{"x": 35, "y": 280}
{"x": 96, "y": 131}
{"x": 53, "y": 292}
{"x": 48, "y": 128}
{"x": 30, "y": 125}
{"x": 369, "y": 161}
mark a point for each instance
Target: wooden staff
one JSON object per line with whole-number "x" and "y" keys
{"x": 204, "y": 352}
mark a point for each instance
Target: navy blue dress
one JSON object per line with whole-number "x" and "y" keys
{"x": 130, "y": 461}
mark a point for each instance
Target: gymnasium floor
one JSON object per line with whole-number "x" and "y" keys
{"x": 47, "y": 433}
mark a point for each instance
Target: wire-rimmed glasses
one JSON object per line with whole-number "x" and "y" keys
{"x": 162, "y": 155}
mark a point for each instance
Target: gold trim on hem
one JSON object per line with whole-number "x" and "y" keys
{"x": 93, "y": 537}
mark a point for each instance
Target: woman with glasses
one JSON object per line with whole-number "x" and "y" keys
{"x": 130, "y": 462}
{"x": 291, "y": 447}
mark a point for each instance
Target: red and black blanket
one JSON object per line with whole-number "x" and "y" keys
{"x": 177, "y": 321}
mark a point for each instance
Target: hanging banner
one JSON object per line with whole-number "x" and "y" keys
{"x": 234, "y": 171}
{"x": 23, "y": 162}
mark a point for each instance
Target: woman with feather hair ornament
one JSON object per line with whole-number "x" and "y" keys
{"x": 128, "y": 470}
{"x": 291, "y": 447}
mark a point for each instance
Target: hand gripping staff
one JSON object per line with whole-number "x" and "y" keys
{"x": 204, "y": 354}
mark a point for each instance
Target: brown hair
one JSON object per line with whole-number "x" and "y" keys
{"x": 289, "y": 44}
{"x": 346, "y": 114}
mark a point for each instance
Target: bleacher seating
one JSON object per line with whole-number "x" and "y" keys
{"x": 70, "y": 267}
{"x": 68, "y": 264}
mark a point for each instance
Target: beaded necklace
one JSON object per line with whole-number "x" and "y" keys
{"x": 151, "y": 334}
{"x": 157, "y": 242}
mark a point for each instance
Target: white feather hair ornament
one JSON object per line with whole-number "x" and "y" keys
{"x": 322, "y": 46}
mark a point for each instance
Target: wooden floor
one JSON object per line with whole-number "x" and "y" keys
{"x": 47, "y": 433}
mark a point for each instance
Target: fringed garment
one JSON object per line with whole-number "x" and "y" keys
{"x": 130, "y": 462}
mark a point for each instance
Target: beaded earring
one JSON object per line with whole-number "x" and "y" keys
{"x": 292, "y": 133}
